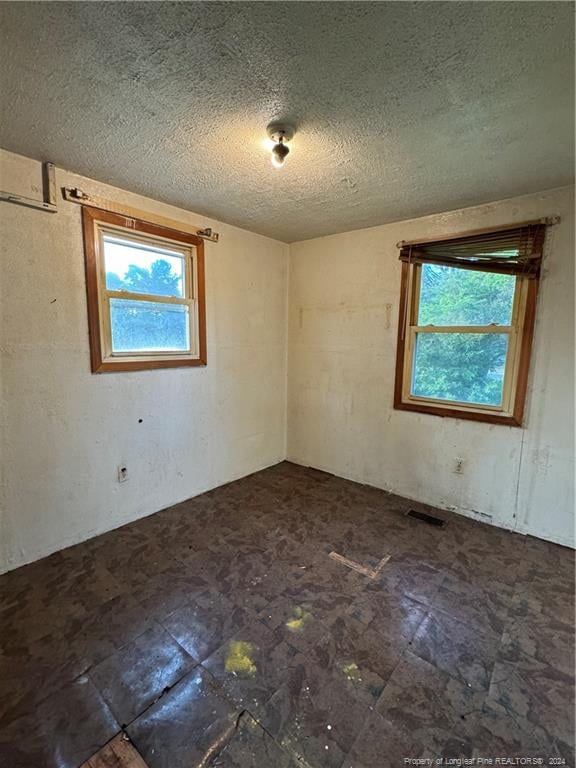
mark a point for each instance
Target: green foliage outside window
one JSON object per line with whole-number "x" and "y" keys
{"x": 468, "y": 367}
{"x": 159, "y": 279}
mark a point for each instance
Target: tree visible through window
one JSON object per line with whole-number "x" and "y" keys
{"x": 150, "y": 300}
{"x": 141, "y": 325}
{"x": 466, "y": 367}
{"x": 466, "y": 322}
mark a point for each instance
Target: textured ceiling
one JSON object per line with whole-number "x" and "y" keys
{"x": 402, "y": 108}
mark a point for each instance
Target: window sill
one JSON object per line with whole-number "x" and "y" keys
{"x": 489, "y": 417}
{"x": 118, "y": 366}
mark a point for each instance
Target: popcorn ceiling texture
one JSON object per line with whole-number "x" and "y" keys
{"x": 402, "y": 109}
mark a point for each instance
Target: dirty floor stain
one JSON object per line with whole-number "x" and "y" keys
{"x": 239, "y": 660}
{"x": 351, "y": 672}
{"x": 298, "y": 620}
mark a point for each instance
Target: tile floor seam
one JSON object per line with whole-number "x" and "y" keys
{"x": 497, "y": 636}
{"x": 165, "y": 691}
{"x": 456, "y": 679}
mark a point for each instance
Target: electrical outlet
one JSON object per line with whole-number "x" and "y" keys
{"x": 122, "y": 473}
{"x": 459, "y": 465}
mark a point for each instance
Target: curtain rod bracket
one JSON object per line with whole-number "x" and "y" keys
{"x": 77, "y": 195}
{"x": 208, "y": 234}
{"x": 48, "y": 203}
{"x": 74, "y": 194}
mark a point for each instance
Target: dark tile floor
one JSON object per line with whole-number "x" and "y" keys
{"x": 219, "y": 632}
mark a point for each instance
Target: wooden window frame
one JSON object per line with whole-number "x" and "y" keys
{"x": 95, "y": 222}
{"x": 521, "y": 331}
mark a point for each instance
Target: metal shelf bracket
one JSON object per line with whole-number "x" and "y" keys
{"x": 49, "y": 192}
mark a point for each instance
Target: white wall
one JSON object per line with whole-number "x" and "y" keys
{"x": 343, "y": 317}
{"x": 65, "y": 430}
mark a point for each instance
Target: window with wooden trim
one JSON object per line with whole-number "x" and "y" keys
{"x": 145, "y": 289}
{"x": 466, "y": 323}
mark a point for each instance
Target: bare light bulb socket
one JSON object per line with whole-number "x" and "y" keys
{"x": 279, "y": 154}
{"x": 280, "y": 134}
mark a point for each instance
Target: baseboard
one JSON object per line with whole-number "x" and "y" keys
{"x": 13, "y": 562}
{"x": 471, "y": 514}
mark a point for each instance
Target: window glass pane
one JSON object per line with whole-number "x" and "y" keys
{"x": 468, "y": 367}
{"x": 142, "y": 268}
{"x": 146, "y": 326}
{"x": 453, "y": 296}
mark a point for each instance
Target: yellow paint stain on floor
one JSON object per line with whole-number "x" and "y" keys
{"x": 351, "y": 672}
{"x": 299, "y": 618}
{"x": 239, "y": 659}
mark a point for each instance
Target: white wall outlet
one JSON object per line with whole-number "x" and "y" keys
{"x": 122, "y": 473}
{"x": 459, "y": 466}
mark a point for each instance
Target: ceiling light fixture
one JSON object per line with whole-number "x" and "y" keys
{"x": 280, "y": 133}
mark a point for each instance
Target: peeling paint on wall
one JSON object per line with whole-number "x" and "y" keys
{"x": 388, "y": 316}
{"x": 541, "y": 460}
